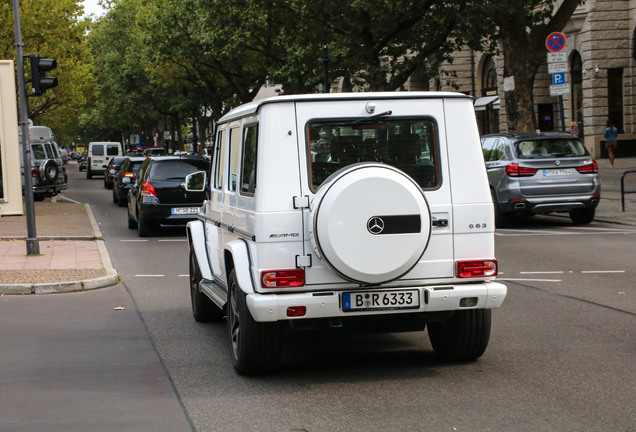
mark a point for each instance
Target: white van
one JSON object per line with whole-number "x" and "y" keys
{"x": 98, "y": 156}
{"x": 340, "y": 212}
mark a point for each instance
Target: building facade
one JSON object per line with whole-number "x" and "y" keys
{"x": 601, "y": 57}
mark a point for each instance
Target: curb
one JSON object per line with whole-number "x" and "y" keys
{"x": 111, "y": 278}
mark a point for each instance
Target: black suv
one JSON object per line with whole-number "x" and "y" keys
{"x": 158, "y": 195}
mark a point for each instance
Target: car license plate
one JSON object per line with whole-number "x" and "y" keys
{"x": 380, "y": 300}
{"x": 185, "y": 210}
{"x": 556, "y": 172}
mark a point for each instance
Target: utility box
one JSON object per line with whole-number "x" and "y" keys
{"x": 10, "y": 182}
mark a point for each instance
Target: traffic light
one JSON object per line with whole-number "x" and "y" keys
{"x": 39, "y": 81}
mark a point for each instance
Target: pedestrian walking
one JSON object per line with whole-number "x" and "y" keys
{"x": 611, "y": 135}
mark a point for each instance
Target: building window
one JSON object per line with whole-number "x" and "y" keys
{"x": 615, "y": 96}
{"x": 489, "y": 78}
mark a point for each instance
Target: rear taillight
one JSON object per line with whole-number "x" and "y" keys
{"x": 514, "y": 170}
{"x": 129, "y": 175}
{"x": 63, "y": 170}
{"x": 34, "y": 172}
{"x": 88, "y": 162}
{"x": 148, "y": 189}
{"x": 283, "y": 278}
{"x": 468, "y": 269}
{"x": 589, "y": 168}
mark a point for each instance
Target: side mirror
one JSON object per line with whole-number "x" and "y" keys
{"x": 195, "y": 182}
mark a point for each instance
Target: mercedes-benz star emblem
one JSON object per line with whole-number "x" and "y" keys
{"x": 375, "y": 225}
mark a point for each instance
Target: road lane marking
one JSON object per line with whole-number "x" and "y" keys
{"x": 529, "y": 280}
{"x": 149, "y": 275}
{"x": 133, "y": 240}
{"x": 173, "y": 240}
{"x": 184, "y": 275}
{"x": 541, "y": 272}
{"x": 602, "y": 271}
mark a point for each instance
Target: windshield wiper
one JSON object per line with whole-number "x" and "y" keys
{"x": 374, "y": 116}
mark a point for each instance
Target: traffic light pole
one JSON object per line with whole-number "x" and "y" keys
{"x": 32, "y": 244}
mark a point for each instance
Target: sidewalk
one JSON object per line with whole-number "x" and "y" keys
{"x": 73, "y": 256}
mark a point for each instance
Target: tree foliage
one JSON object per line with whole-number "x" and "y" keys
{"x": 53, "y": 29}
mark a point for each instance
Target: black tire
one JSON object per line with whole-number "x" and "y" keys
{"x": 463, "y": 337}
{"x": 502, "y": 220}
{"x": 203, "y": 309}
{"x": 39, "y": 197}
{"x": 121, "y": 201}
{"x": 89, "y": 174}
{"x": 255, "y": 347}
{"x": 115, "y": 197}
{"x": 131, "y": 222}
{"x": 583, "y": 216}
{"x": 143, "y": 228}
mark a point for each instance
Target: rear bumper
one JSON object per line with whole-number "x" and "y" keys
{"x": 535, "y": 205}
{"x": 162, "y": 214}
{"x": 321, "y": 304}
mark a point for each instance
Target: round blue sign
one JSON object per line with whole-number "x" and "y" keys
{"x": 555, "y": 42}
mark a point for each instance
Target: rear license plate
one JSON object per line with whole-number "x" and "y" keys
{"x": 380, "y": 300}
{"x": 185, "y": 210}
{"x": 556, "y": 172}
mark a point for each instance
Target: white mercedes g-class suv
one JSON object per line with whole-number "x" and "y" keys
{"x": 346, "y": 211}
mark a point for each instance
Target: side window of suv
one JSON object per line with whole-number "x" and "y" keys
{"x": 221, "y": 149}
{"x": 235, "y": 146}
{"x": 248, "y": 168}
{"x": 37, "y": 151}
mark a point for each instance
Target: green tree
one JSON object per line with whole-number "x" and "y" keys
{"x": 53, "y": 29}
{"x": 523, "y": 27}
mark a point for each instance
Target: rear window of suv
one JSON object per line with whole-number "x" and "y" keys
{"x": 408, "y": 144}
{"x": 176, "y": 169}
{"x": 550, "y": 148}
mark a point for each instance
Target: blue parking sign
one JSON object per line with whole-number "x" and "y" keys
{"x": 558, "y": 78}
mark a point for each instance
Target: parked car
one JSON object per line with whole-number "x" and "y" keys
{"x": 124, "y": 177}
{"x": 390, "y": 229}
{"x": 111, "y": 170}
{"x": 75, "y": 155}
{"x": 82, "y": 162}
{"x": 48, "y": 174}
{"x": 99, "y": 154}
{"x": 546, "y": 172}
{"x": 158, "y": 195}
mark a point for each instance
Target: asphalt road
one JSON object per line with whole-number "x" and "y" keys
{"x": 561, "y": 354}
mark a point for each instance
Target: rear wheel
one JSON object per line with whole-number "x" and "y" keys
{"x": 203, "y": 309}
{"x": 583, "y": 216}
{"x": 131, "y": 222}
{"x": 255, "y": 346}
{"x": 115, "y": 198}
{"x": 143, "y": 228}
{"x": 89, "y": 174}
{"x": 121, "y": 201}
{"x": 463, "y": 337}
{"x": 502, "y": 220}
{"x": 39, "y": 197}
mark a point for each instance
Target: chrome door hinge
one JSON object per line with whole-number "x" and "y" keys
{"x": 303, "y": 261}
{"x": 301, "y": 202}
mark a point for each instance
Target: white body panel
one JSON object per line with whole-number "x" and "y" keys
{"x": 265, "y": 231}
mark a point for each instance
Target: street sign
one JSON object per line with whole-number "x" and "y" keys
{"x": 555, "y": 42}
{"x": 558, "y": 57}
{"x": 557, "y": 67}
{"x": 558, "y": 78}
{"x": 559, "y": 90}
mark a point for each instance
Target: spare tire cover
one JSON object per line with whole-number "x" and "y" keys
{"x": 371, "y": 223}
{"x": 49, "y": 171}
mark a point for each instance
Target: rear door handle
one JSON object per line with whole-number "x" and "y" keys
{"x": 442, "y": 223}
